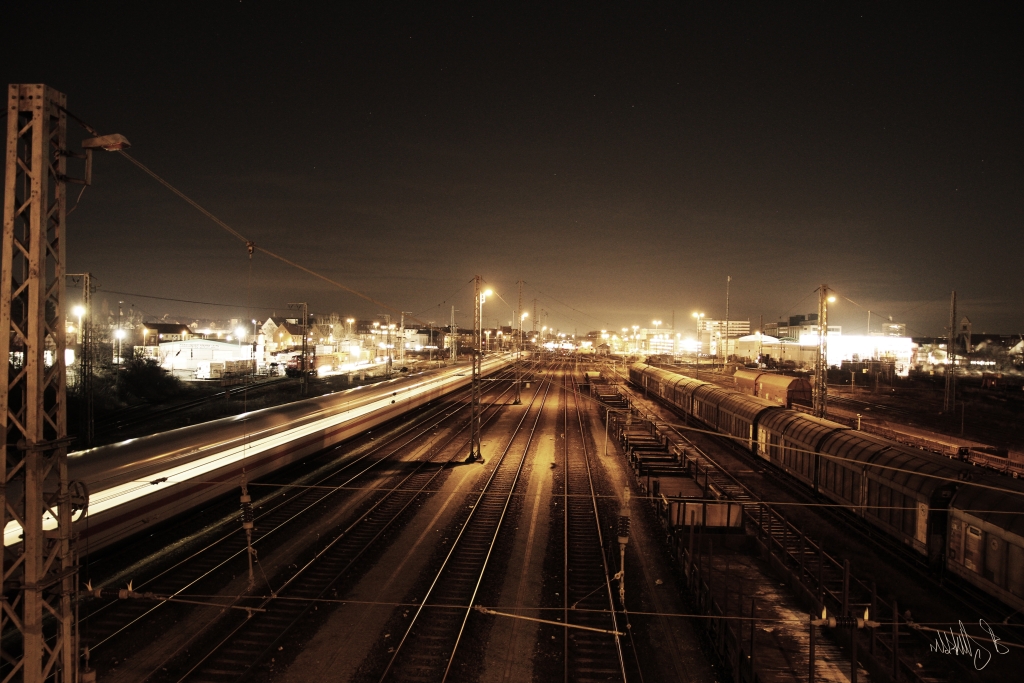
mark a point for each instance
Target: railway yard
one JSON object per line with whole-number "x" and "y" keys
{"x": 605, "y": 536}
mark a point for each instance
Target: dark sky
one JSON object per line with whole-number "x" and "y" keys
{"x": 621, "y": 162}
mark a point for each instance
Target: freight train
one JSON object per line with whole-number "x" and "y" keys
{"x": 935, "y": 506}
{"x": 133, "y": 485}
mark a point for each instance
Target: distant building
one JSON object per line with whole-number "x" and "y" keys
{"x": 154, "y": 334}
{"x": 281, "y": 334}
{"x": 890, "y": 329}
{"x": 737, "y": 328}
{"x": 797, "y": 326}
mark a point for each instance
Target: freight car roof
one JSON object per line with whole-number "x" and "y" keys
{"x": 998, "y": 508}
{"x": 909, "y": 468}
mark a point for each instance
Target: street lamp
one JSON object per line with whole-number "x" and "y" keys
{"x": 480, "y": 336}
{"x": 119, "y": 334}
{"x": 636, "y": 342}
{"x": 79, "y": 311}
{"x": 700, "y": 346}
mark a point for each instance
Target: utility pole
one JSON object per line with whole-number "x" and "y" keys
{"x": 760, "y": 341}
{"x": 725, "y": 356}
{"x": 534, "y": 328}
{"x": 401, "y": 334}
{"x": 519, "y": 346}
{"x": 453, "y": 340}
{"x": 39, "y": 573}
{"x": 86, "y": 361}
{"x": 821, "y": 362}
{"x": 949, "y": 399}
{"x": 387, "y": 345}
{"x": 305, "y": 344}
{"x": 474, "y": 439}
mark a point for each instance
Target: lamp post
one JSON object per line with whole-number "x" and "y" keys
{"x": 636, "y": 343}
{"x": 119, "y": 335}
{"x": 700, "y": 346}
{"x": 474, "y": 439}
{"x": 79, "y": 311}
{"x": 519, "y": 355}
{"x": 480, "y": 321}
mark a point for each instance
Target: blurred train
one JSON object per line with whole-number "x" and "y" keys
{"x": 138, "y": 483}
{"x": 925, "y": 501}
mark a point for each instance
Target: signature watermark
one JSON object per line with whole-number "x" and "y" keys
{"x": 959, "y": 643}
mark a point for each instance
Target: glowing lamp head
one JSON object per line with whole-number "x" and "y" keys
{"x": 78, "y": 310}
{"x": 240, "y": 332}
{"x": 831, "y": 299}
{"x": 120, "y": 334}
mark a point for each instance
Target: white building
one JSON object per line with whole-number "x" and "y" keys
{"x": 186, "y": 355}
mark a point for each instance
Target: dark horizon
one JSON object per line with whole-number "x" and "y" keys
{"x": 621, "y": 164}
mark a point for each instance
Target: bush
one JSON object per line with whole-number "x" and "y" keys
{"x": 143, "y": 379}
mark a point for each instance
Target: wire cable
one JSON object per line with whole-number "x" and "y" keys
{"x": 249, "y": 243}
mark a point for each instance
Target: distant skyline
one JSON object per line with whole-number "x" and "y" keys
{"x": 621, "y": 163}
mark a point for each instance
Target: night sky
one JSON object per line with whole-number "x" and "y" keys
{"x": 622, "y": 162}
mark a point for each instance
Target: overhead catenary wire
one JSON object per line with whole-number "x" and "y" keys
{"x": 249, "y": 243}
{"x": 562, "y": 303}
{"x": 925, "y": 626}
{"x": 183, "y": 301}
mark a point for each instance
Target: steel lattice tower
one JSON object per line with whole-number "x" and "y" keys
{"x": 821, "y": 362}
{"x": 949, "y": 398}
{"x": 38, "y": 612}
{"x": 475, "y": 418}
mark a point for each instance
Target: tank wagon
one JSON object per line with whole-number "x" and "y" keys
{"x": 939, "y": 508}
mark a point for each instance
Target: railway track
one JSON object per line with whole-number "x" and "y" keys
{"x": 247, "y": 642}
{"x": 830, "y": 577}
{"x": 208, "y": 568}
{"x": 588, "y": 597}
{"x": 428, "y": 647}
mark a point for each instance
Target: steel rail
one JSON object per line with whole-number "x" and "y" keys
{"x": 773, "y": 525}
{"x": 575, "y": 509}
{"x": 177, "y": 578}
{"x": 449, "y": 565}
{"x": 350, "y": 544}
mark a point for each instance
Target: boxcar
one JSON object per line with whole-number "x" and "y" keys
{"x": 986, "y": 539}
{"x": 737, "y": 415}
{"x": 778, "y": 389}
{"x": 705, "y": 400}
{"x": 790, "y": 440}
{"x": 895, "y": 488}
